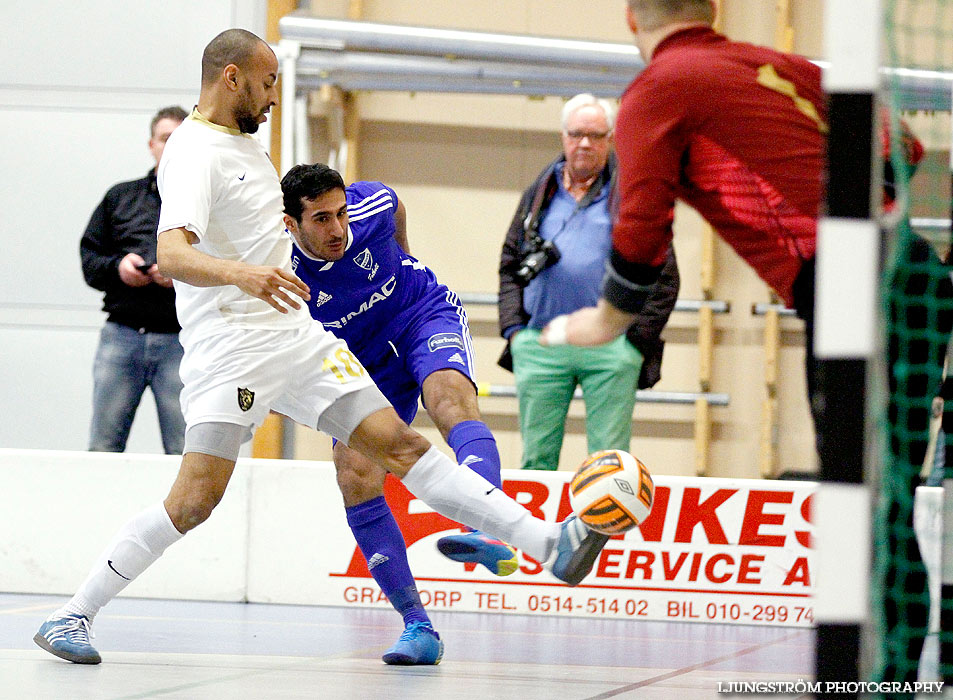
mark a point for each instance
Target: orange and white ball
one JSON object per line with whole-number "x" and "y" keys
{"x": 611, "y": 492}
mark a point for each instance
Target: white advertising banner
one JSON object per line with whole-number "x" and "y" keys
{"x": 712, "y": 550}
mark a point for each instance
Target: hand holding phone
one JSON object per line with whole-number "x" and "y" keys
{"x": 134, "y": 271}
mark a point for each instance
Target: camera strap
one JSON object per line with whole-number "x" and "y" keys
{"x": 543, "y": 196}
{"x": 549, "y": 185}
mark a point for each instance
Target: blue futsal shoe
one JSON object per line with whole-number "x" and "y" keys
{"x": 68, "y": 638}
{"x": 419, "y": 645}
{"x": 575, "y": 551}
{"x": 478, "y": 547}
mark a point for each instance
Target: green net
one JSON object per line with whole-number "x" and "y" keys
{"x": 918, "y": 310}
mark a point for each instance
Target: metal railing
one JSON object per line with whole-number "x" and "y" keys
{"x": 641, "y": 396}
{"x": 373, "y": 56}
{"x": 688, "y": 305}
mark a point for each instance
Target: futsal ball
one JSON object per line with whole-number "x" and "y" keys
{"x": 611, "y": 492}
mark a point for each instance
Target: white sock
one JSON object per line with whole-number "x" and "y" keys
{"x": 136, "y": 546}
{"x": 462, "y": 495}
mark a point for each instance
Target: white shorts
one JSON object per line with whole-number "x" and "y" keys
{"x": 238, "y": 376}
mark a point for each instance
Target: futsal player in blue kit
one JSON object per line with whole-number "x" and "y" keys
{"x": 410, "y": 332}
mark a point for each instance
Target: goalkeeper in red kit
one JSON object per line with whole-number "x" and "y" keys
{"x": 737, "y": 131}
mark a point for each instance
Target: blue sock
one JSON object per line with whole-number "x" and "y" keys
{"x": 473, "y": 444}
{"x": 383, "y": 547}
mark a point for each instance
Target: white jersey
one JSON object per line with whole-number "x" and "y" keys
{"x": 220, "y": 184}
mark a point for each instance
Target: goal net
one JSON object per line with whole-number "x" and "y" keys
{"x": 917, "y": 303}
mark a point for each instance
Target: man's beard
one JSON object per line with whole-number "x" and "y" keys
{"x": 245, "y": 115}
{"x": 247, "y": 124}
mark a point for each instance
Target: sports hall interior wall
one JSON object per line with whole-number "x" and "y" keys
{"x": 460, "y": 162}
{"x": 74, "y": 112}
{"x": 79, "y": 83}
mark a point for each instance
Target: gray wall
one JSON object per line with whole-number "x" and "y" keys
{"x": 79, "y": 83}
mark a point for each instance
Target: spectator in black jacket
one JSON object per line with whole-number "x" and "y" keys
{"x": 139, "y": 345}
{"x": 552, "y": 263}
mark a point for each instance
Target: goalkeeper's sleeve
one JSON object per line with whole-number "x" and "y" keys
{"x": 627, "y": 285}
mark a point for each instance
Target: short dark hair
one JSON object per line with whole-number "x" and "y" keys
{"x": 653, "y": 14}
{"x": 307, "y": 182}
{"x": 231, "y": 46}
{"x": 174, "y": 112}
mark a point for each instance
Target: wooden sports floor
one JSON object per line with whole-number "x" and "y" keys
{"x": 178, "y": 650}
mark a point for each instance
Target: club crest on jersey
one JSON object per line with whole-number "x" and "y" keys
{"x": 440, "y": 341}
{"x": 365, "y": 261}
{"x": 245, "y": 398}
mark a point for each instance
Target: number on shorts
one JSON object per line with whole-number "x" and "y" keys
{"x": 346, "y": 359}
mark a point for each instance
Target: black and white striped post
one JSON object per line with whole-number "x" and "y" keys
{"x": 845, "y": 339}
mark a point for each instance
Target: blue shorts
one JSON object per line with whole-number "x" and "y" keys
{"x": 431, "y": 336}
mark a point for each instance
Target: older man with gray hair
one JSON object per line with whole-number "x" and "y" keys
{"x": 552, "y": 263}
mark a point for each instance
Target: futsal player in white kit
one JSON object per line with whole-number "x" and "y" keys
{"x": 251, "y": 346}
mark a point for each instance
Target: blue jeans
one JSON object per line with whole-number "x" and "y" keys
{"x": 127, "y": 362}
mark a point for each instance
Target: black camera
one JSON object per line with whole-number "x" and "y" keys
{"x": 541, "y": 254}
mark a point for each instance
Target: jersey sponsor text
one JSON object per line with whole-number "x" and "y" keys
{"x": 383, "y": 293}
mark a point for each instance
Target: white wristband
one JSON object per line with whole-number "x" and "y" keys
{"x": 556, "y": 331}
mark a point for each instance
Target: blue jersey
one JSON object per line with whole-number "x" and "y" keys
{"x": 387, "y": 306}
{"x": 361, "y": 297}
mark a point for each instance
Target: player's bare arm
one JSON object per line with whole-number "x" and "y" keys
{"x": 178, "y": 259}
{"x": 400, "y": 231}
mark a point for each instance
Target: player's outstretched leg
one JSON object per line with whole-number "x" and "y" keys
{"x": 567, "y": 549}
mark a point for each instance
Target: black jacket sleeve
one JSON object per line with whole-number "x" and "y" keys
{"x": 645, "y": 333}
{"x": 97, "y": 248}
{"x": 510, "y": 300}
{"x": 511, "y": 311}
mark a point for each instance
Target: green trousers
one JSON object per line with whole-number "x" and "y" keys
{"x": 546, "y": 378}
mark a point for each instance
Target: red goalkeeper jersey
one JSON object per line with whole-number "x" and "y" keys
{"x": 737, "y": 132}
